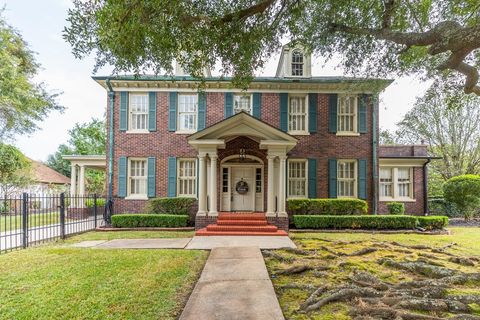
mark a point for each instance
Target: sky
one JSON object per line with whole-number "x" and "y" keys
{"x": 41, "y": 23}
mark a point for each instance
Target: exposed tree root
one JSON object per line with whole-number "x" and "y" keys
{"x": 276, "y": 256}
{"x": 362, "y": 252}
{"x": 344, "y": 294}
{"x": 299, "y": 251}
{"x": 295, "y": 269}
{"x": 418, "y": 267}
{"x": 462, "y": 261}
{"x": 313, "y": 298}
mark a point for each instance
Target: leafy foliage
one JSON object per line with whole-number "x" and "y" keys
{"x": 23, "y": 103}
{"x": 464, "y": 192}
{"x": 355, "y": 222}
{"x": 14, "y": 170}
{"x": 396, "y": 208}
{"x": 149, "y": 220}
{"x": 179, "y": 205}
{"x": 327, "y": 206}
{"x": 432, "y": 222}
{"x": 89, "y": 203}
{"x": 439, "y": 206}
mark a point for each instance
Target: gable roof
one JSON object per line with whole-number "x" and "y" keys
{"x": 44, "y": 174}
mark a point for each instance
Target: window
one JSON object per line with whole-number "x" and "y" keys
{"x": 346, "y": 179}
{"x": 297, "y": 179}
{"x": 297, "y": 63}
{"x": 258, "y": 180}
{"x": 187, "y": 174}
{"x": 187, "y": 112}
{"x": 138, "y": 112}
{"x": 225, "y": 180}
{"x": 347, "y": 113}
{"x": 297, "y": 114}
{"x": 242, "y": 103}
{"x": 386, "y": 182}
{"x": 137, "y": 177}
{"x": 403, "y": 181}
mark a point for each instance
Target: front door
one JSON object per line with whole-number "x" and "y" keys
{"x": 242, "y": 199}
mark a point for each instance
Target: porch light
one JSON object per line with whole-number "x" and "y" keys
{"x": 242, "y": 154}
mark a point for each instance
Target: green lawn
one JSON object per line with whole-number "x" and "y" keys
{"x": 54, "y": 282}
{"x": 35, "y": 220}
{"x": 109, "y": 235}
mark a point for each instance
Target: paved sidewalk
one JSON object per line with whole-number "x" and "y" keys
{"x": 262, "y": 242}
{"x": 234, "y": 285}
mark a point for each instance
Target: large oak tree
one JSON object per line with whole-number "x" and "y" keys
{"x": 374, "y": 37}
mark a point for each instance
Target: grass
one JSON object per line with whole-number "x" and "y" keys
{"x": 8, "y": 222}
{"x": 110, "y": 235}
{"x": 54, "y": 282}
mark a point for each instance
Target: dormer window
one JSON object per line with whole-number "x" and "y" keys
{"x": 297, "y": 63}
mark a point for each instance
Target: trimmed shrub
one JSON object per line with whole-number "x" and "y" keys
{"x": 100, "y": 203}
{"x": 396, "y": 208}
{"x": 464, "y": 192}
{"x": 355, "y": 222}
{"x": 149, "y": 220}
{"x": 327, "y": 206}
{"x": 439, "y": 206}
{"x": 432, "y": 222}
{"x": 180, "y": 206}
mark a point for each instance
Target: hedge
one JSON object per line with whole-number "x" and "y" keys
{"x": 149, "y": 220}
{"x": 176, "y": 206}
{"x": 327, "y": 206}
{"x": 396, "y": 208}
{"x": 432, "y": 222}
{"x": 355, "y": 222}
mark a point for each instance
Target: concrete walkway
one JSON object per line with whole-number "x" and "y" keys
{"x": 233, "y": 285}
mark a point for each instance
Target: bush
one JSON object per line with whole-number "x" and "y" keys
{"x": 464, "y": 192}
{"x": 327, "y": 206}
{"x": 100, "y": 203}
{"x": 396, "y": 208}
{"x": 439, "y": 206}
{"x": 432, "y": 222}
{"x": 355, "y": 222}
{"x": 149, "y": 220}
{"x": 180, "y": 206}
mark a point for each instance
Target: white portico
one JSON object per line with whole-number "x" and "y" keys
{"x": 231, "y": 172}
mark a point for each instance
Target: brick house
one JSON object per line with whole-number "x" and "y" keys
{"x": 288, "y": 136}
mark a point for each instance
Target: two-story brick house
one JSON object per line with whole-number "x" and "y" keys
{"x": 288, "y": 136}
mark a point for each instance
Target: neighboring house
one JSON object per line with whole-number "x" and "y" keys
{"x": 46, "y": 180}
{"x": 288, "y": 136}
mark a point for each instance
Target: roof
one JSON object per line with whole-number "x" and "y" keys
{"x": 45, "y": 174}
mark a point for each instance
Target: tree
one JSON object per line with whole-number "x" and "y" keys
{"x": 448, "y": 121}
{"x": 86, "y": 138}
{"x": 464, "y": 192}
{"x": 14, "y": 171}
{"x": 22, "y": 102}
{"x": 387, "y": 137}
{"x": 374, "y": 36}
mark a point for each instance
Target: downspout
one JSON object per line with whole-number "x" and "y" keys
{"x": 374, "y": 154}
{"x": 425, "y": 187}
{"x": 111, "y": 97}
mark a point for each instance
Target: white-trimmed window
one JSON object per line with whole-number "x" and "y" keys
{"x": 187, "y": 112}
{"x": 138, "y": 109}
{"x": 396, "y": 183}
{"x": 297, "y": 114}
{"x": 404, "y": 181}
{"x": 347, "y": 179}
{"x": 187, "y": 178}
{"x": 137, "y": 177}
{"x": 347, "y": 114}
{"x": 297, "y": 178}
{"x": 297, "y": 63}
{"x": 386, "y": 182}
{"x": 242, "y": 102}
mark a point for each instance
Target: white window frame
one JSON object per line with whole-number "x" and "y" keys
{"x": 382, "y": 184}
{"x": 243, "y": 95}
{"x": 395, "y": 192}
{"x": 290, "y": 196}
{"x": 131, "y": 195}
{"x": 297, "y": 63}
{"x": 187, "y": 179}
{"x": 298, "y": 132}
{"x": 355, "y": 178}
{"x": 341, "y": 99}
{"x": 131, "y": 113}
{"x": 194, "y": 113}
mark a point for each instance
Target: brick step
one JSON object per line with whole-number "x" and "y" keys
{"x": 268, "y": 228}
{"x": 242, "y": 222}
{"x": 204, "y": 232}
{"x": 241, "y": 216}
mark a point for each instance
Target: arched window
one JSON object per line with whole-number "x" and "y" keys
{"x": 297, "y": 63}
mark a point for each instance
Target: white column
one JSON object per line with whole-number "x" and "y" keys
{"x": 82, "y": 181}
{"x": 202, "y": 185}
{"x": 270, "y": 188}
{"x": 73, "y": 180}
{"x": 282, "y": 197}
{"x": 213, "y": 185}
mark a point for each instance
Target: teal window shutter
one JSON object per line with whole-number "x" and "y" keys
{"x": 172, "y": 177}
{"x": 284, "y": 112}
{"x": 123, "y": 111}
{"x": 151, "y": 171}
{"x": 202, "y": 110}
{"x": 257, "y": 105}
{"x": 312, "y": 178}
{"x": 362, "y": 113}
{"x": 362, "y": 179}
{"x": 152, "y": 111}
{"x": 332, "y": 112}
{"x": 228, "y": 109}
{"x": 312, "y": 112}
{"x": 172, "y": 111}
{"x": 332, "y": 178}
{"x": 122, "y": 177}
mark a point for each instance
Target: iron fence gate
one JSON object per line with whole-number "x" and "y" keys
{"x": 29, "y": 219}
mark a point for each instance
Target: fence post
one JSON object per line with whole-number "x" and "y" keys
{"x": 25, "y": 220}
{"x": 62, "y": 215}
{"x": 95, "y": 208}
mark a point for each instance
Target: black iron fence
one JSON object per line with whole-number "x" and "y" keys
{"x": 29, "y": 219}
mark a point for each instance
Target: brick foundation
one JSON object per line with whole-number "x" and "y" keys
{"x": 78, "y": 213}
{"x": 280, "y": 222}
{"x": 203, "y": 221}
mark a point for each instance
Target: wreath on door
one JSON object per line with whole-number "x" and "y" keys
{"x": 241, "y": 187}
